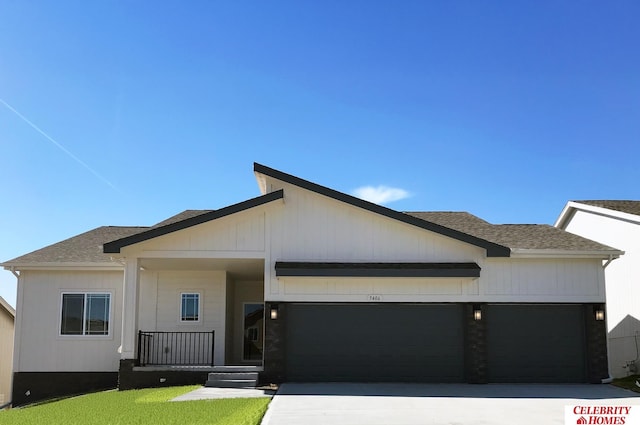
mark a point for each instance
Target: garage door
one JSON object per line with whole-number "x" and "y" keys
{"x": 536, "y": 343}
{"x": 380, "y": 342}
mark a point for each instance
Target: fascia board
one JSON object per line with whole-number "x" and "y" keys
{"x": 560, "y": 253}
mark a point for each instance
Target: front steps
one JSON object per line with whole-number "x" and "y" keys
{"x": 233, "y": 377}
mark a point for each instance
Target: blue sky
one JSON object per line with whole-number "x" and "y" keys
{"x": 124, "y": 113}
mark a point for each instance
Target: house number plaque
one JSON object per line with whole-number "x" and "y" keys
{"x": 374, "y": 297}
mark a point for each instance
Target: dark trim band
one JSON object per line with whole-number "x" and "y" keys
{"x": 317, "y": 269}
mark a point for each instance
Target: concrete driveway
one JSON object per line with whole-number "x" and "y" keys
{"x": 428, "y": 404}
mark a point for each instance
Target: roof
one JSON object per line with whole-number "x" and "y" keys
{"x": 625, "y": 206}
{"x": 4, "y": 304}
{"x": 83, "y": 248}
{"x": 515, "y": 236}
{"x": 184, "y": 215}
{"x": 499, "y": 240}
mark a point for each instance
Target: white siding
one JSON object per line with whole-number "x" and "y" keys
{"x": 312, "y": 227}
{"x": 42, "y": 349}
{"x": 542, "y": 280}
{"x": 316, "y": 228}
{"x": 622, "y": 282}
{"x": 241, "y": 232}
{"x": 6, "y": 354}
{"x": 160, "y": 303}
{"x": 502, "y": 280}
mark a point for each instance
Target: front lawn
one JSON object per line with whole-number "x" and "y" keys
{"x": 148, "y": 406}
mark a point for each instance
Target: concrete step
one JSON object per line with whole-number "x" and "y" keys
{"x": 231, "y": 383}
{"x": 232, "y": 379}
{"x": 244, "y": 368}
{"x": 233, "y": 375}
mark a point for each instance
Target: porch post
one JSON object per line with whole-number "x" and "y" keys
{"x": 130, "y": 309}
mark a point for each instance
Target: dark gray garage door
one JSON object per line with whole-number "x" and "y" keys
{"x": 536, "y": 343}
{"x": 380, "y": 342}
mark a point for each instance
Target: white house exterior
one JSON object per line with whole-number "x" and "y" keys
{"x": 304, "y": 283}
{"x": 7, "y": 319}
{"x": 615, "y": 223}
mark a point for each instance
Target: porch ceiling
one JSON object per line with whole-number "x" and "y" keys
{"x": 244, "y": 268}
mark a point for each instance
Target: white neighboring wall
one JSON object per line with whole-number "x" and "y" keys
{"x": 6, "y": 350}
{"x": 621, "y": 231}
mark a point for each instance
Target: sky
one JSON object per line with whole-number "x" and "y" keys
{"x": 125, "y": 113}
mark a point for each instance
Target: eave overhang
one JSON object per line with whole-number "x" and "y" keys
{"x": 564, "y": 253}
{"x": 102, "y": 266}
{"x": 114, "y": 247}
{"x": 335, "y": 269}
{"x": 572, "y": 206}
{"x": 492, "y": 249}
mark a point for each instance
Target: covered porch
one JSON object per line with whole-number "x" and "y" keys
{"x": 184, "y": 318}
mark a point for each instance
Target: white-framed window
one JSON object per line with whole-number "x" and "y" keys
{"x": 190, "y": 307}
{"x": 85, "y": 313}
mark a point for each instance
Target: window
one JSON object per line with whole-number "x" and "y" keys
{"x": 252, "y": 334}
{"x": 85, "y": 314}
{"x": 190, "y": 307}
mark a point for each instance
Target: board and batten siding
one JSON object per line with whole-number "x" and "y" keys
{"x": 39, "y": 345}
{"x": 622, "y": 282}
{"x": 542, "y": 280}
{"x": 6, "y": 354}
{"x": 159, "y": 308}
{"x": 508, "y": 280}
{"x": 313, "y": 227}
{"x": 240, "y": 232}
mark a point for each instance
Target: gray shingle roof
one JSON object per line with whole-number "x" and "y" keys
{"x": 625, "y": 206}
{"x": 515, "y": 236}
{"x": 83, "y": 248}
{"x": 87, "y": 247}
{"x": 181, "y": 216}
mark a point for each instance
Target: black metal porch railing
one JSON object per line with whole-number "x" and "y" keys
{"x": 175, "y": 348}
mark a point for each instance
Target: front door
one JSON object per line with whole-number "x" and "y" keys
{"x": 253, "y": 317}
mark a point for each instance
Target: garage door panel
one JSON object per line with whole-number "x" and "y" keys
{"x": 536, "y": 343}
{"x": 381, "y": 342}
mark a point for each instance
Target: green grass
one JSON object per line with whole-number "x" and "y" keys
{"x": 628, "y": 383}
{"x": 148, "y": 406}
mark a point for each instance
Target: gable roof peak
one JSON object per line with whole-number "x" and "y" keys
{"x": 492, "y": 249}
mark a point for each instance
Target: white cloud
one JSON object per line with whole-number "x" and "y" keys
{"x": 380, "y": 194}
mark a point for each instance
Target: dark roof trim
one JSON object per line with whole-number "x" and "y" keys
{"x": 115, "y": 246}
{"x": 311, "y": 269}
{"x": 493, "y": 249}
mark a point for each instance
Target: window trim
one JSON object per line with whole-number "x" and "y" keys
{"x": 108, "y": 335}
{"x": 188, "y": 322}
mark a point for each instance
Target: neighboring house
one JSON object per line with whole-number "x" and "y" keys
{"x": 615, "y": 223}
{"x": 7, "y": 319}
{"x": 305, "y": 283}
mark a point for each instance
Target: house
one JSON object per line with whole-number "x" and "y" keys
{"x": 615, "y": 223}
{"x": 305, "y": 283}
{"x": 7, "y": 319}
